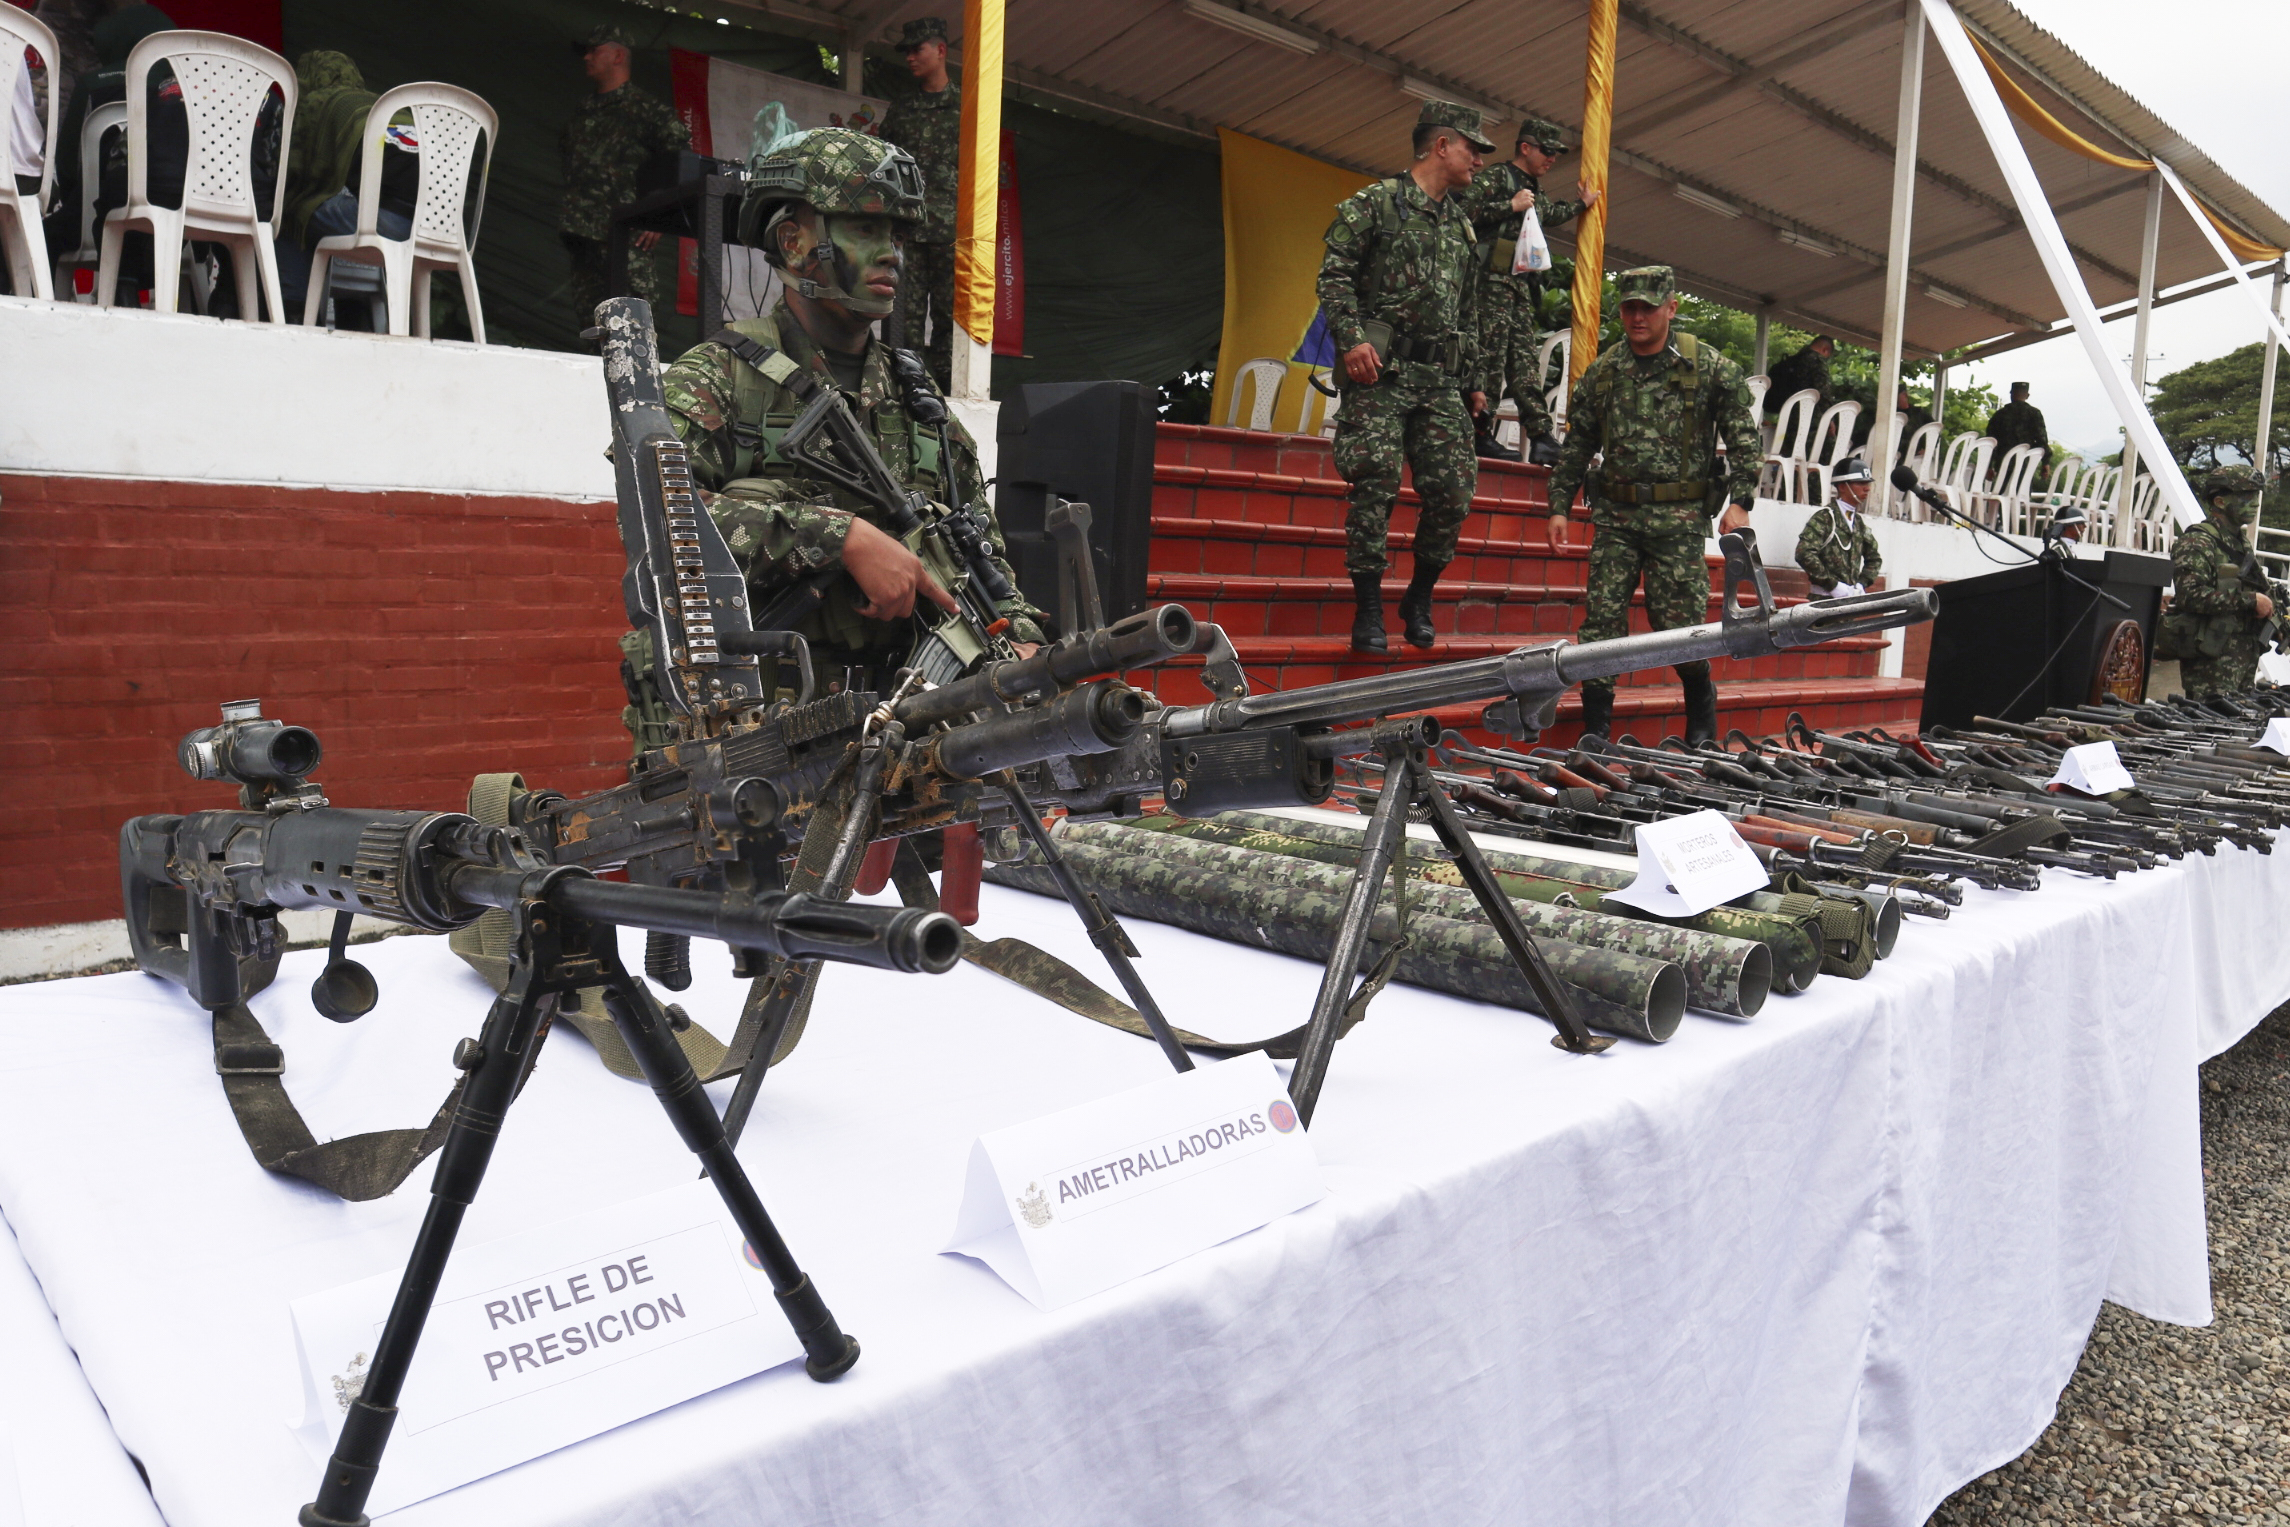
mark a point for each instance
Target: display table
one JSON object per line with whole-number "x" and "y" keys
{"x": 1822, "y": 1266}
{"x": 60, "y": 1462}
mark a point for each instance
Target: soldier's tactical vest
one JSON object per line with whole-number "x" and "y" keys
{"x": 1693, "y": 446}
{"x": 2183, "y": 635}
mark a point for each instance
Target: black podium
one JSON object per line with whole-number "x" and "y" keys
{"x": 1995, "y": 634}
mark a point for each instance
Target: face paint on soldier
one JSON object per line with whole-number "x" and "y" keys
{"x": 1646, "y": 326}
{"x": 867, "y": 259}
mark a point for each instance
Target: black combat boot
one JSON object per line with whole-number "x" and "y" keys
{"x": 1701, "y": 708}
{"x": 1493, "y": 449}
{"x": 1598, "y": 710}
{"x": 1368, "y": 612}
{"x": 1415, "y": 604}
{"x": 1543, "y": 451}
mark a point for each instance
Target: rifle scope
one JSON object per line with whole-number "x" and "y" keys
{"x": 248, "y": 750}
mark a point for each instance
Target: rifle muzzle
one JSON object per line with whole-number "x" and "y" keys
{"x": 1096, "y": 718}
{"x": 1134, "y": 641}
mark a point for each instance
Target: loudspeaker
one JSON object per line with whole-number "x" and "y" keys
{"x": 1996, "y": 634}
{"x": 1087, "y": 442}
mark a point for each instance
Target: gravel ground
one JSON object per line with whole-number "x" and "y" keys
{"x": 2165, "y": 1423}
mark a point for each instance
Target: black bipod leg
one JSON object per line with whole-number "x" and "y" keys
{"x": 767, "y": 1019}
{"x": 496, "y": 1063}
{"x": 1387, "y": 832}
{"x": 1103, "y": 928}
{"x": 1552, "y": 992}
{"x": 828, "y": 1353}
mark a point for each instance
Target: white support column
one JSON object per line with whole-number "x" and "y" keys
{"x": 1764, "y": 340}
{"x": 1940, "y": 397}
{"x": 855, "y": 62}
{"x": 2266, "y": 372}
{"x": 1884, "y": 437}
{"x": 2147, "y": 243}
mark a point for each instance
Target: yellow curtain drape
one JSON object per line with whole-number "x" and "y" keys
{"x": 976, "y": 198}
{"x": 1597, "y": 138}
{"x": 2031, "y": 111}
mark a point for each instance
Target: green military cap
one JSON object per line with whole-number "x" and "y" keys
{"x": 2231, "y": 480}
{"x": 1543, "y": 134}
{"x": 921, "y": 30}
{"x": 1656, "y": 284}
{"x": 599, "y": 36}
{"x": 1464, "y": 119}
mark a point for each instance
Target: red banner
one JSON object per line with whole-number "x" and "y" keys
{"x": 1009, "y": 257}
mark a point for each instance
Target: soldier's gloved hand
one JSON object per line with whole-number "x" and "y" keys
{"x": 888, "y": 574}
{"x": 1360, "y": 363}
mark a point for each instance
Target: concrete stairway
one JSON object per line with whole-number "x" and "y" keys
{"x": 1248, "y": 532}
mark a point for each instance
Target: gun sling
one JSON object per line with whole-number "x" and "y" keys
{"x": 356, "y": 1168}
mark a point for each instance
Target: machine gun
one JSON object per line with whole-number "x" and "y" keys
{"x": 204, "y": 891}
{"x": 752, "y": 776}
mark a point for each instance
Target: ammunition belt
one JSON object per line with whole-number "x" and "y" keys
{"x": 1619, "y": 490}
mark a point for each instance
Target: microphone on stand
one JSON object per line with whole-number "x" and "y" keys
{"x": 1904, "y": 478}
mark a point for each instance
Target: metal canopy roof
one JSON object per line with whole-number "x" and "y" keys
{"x": 1783, "y": 112}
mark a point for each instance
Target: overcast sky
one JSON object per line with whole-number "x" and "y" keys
{"x": 2212, "y": 70}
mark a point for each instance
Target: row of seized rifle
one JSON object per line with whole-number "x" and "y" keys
{"x": 755, "y": 823}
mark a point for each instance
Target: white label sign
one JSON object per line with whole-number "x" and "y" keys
{"x": 2093, "y": 769}
{"x": 1689, "y": 864}
{"x": 539, "y": 1340}
{"x": 2274, "y": 667}
{"x": 1075, "y": 1203}
{"x": 2277, "y": 733}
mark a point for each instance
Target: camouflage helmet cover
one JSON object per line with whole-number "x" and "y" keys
{"x": 2231, "y": 481}
{"x": 833, "y": 170}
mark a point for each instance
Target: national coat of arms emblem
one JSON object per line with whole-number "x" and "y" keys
{"x": 1034, "y": 1208}
{"x": 348, "y": 1386}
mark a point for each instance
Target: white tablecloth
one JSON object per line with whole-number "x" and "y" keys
{"x": 1817, "y": 1267}
{"x": 60, "y": 1463}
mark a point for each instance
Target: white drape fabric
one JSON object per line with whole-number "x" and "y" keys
{"x": 1817, "y": 1267}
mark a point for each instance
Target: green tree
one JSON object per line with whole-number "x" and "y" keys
{"x": 2208, "y": 413}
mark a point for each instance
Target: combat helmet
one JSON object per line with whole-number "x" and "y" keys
{"x": 833, "y": 170}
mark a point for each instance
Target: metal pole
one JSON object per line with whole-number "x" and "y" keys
{"x": 2266, "y": 383}
{"x": 1764, "y": 342}
{"x": 2147, "y": 244}
{"x": 855, "y": 63}
{"x": 1884, "y": 438}
{"x": 1940, "y": 398}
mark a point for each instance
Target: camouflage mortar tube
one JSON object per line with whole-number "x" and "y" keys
{"x": 1723, "y": 975}
{"x": 1620, "y": 993}
{"x": 1795, "y": 942}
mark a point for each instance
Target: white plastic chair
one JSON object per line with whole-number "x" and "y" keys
{"x": 1759, "y": 386}
{"x": 1315, "y": 400}
{"x": 1785, "y": 453}
{"x": 1555, "y": 399}
{"x": 1831, "y": 442}
{"x": 447, "y": 124}
{"x": 2015, "y": 476}
{"x": 1267, "y": 374}
{"x": 107, "y": 118}
{"x": 20, "y": 214}
{"x": 225, "y": 81}
{"x": 1920, "y": 455}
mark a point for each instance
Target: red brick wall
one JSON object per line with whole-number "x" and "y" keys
{"x": 425, "y": 637}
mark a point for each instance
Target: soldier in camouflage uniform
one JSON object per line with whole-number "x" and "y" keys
{"x": 1809, "y": 367}
{"x": 610, "y": 136}
{"x": 827, "y": 208}
{"x": 1657, "y": 405}
{"x": 1836, "y": 550}
{"x": 1509, "y": 307}
{"x": 1399, "y": 263}
{"x": 928, "y": 125}
{"x": 2220, "y": 608}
